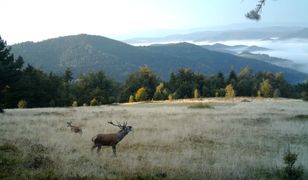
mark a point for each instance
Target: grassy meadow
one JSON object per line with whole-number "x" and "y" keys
{"x": 241, "y": 138}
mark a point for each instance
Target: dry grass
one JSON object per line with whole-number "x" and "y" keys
{"x": 235, "y": 140}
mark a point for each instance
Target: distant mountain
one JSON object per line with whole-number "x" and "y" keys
{"x": 86, "y": 53}
{"x": 266, "y": 58}
{"x": 301, "y": 34}
{"x": 221, "y": 35}
{"x": 233, "y": 49}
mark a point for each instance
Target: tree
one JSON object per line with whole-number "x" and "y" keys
{"x": 184, "y": 82}
{"x": 144, "y": 77}
{"x": 266, "y": 88}
{"x": 141, "y": 94}
{"x": 68, "y": 75}
{"x": 67, "y": 95}
{"x": 22, "y": 104}
{"x": 10, "y": 72}
{"x": 94, "y": 102}
{"x": 276, "y": 93}
{"x": 229, "y": 91}
{"x": 131, "y": 99}
{"x": 246, "y": 83}
{"x": 160, "y": 93}
{"x": 232, "y": 78}
{"x": 196, "y": 93}
{"x": 96, "y": 85}
{"x": 255, "y": 13}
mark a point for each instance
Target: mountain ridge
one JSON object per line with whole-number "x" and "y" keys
{"x": 86, "y": 53}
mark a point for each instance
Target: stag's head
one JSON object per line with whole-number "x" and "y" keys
{"x": 123, "y": 127}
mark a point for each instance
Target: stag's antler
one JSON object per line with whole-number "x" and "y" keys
{"x": 118, "y": 124}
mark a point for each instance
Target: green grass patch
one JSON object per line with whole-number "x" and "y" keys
{"x": 302, "y": 116}
{"x": 200, "y": 106}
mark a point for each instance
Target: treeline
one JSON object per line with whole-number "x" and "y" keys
{"x": 26, "y": 86}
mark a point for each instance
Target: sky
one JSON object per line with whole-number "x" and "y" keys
{"x": 36, "y": 20}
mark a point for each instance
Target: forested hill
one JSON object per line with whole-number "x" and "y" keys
{"x": 88, "y": 53}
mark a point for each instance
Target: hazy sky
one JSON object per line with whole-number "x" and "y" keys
{"x": 35, "y": 20}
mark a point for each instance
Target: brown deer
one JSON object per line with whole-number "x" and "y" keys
{"x": 111, "y": 139}
{"x": 75, "y": 129}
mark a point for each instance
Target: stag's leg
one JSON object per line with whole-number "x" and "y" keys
{"x": 93, "y": 147}
{"x": 98, "y": 148}
{"x": 114, "y": 150}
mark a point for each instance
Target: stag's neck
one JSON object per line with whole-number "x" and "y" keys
{"x": 121, "y": 135}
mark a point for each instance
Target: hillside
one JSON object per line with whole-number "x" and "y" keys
{"x": 233, "y": 49}
{"x": 85, "y": 53}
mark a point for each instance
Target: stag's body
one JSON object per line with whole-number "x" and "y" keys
{"x": 75, "y": 129}
{"x": 110, "y": 139}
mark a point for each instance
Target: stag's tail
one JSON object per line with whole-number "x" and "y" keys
{"x": 93, "y": 138}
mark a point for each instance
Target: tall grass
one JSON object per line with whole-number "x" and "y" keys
{"x": 236, "y": 140}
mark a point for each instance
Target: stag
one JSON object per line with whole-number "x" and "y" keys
{"x": 75, "y": 129}
{"x": 111, "y": 139}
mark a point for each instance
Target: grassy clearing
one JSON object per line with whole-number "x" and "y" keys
{"x": 236, "y": 140}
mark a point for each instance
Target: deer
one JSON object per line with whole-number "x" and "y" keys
{"x": 111, "y": 139}
{"x": 75, "y": 129}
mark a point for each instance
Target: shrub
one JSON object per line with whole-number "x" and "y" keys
{"x": 93, "y": 102}
{"x": 22, "y": 104}
{"x": 170, "y": 97}
{"x": 305, "y": 96}
{"x": 196, "y": 93}
{"x": 131, "y": 99}
{"x": 302, "y": 116}
{"x": 75, "y": 104}
{"x": 277, "y": 93}
{"x": 201, "y": 106}
{"x": 229, "y": 91}
{"x": 290, "y": 171}
{"x": 141, "y": 94}
{"x": 266, "y": 88}
{"x": 259, "y": 93}
{"x": 160, "y": 92}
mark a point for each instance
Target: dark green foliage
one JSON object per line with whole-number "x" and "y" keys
{"x": 10, "y": 72}
{"x": 232, "y": 77}
{"x": 95, "y": 85}
{"x": 145, "y": 78}
{"x": 184, "y": 82}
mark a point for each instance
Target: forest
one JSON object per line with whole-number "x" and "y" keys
{"x": 25, "y": 86}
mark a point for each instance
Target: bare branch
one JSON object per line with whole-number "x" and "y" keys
{"x": 255, "y": 13}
